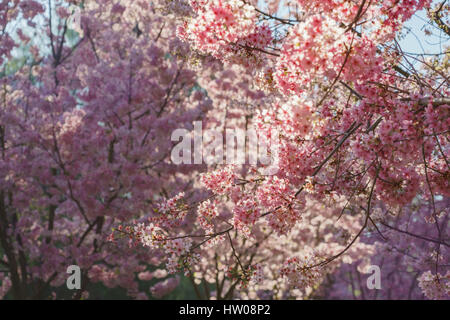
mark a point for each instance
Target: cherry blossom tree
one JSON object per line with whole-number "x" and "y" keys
{"x": 85, "y": 137}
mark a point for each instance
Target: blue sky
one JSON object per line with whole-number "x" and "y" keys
{"x": 417, "y": 42}
{"x": 414, "y": 40}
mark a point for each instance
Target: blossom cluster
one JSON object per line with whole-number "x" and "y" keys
{"x": 225, "y": 29}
